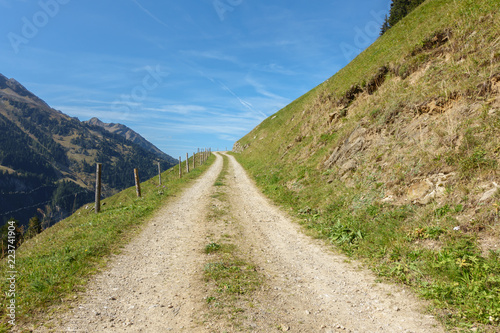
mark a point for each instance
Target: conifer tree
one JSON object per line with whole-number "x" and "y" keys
{"x": 385, "y": 26}
{"x": 399, "y": 9}
{"x": 16, "y": 241}
{"x": 34, "y": 227}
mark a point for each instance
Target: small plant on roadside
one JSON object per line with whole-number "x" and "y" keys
{"x": 212, "y": 247}
{"x": 425, "y": 233}
{"x": 345, "y": 235}
{"x": 210, "y": 299}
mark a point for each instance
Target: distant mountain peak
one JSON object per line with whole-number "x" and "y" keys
{"x": 13, "y": 88}
{"x": 95, "y": 121}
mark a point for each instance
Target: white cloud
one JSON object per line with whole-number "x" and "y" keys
{"x": 216, "y": 55}
{"x": 179, "y": 109}
{"x": 277, "y": 69}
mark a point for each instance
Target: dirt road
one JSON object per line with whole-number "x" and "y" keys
{"x": 156, "y": 284}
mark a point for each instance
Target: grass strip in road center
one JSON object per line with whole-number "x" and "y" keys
{"x": 231, "y": 277}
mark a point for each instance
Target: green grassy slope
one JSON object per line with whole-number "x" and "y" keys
{"x": 57, "y": 263}
{"x": 395, "y": 159}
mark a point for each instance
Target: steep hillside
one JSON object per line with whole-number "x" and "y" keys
{"x": 47, "y": 159}
{"x": 395, "y": 159}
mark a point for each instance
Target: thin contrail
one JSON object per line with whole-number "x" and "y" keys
{"x": 150, "y": 14}
{"x": 226, "y": 88}
{"x": 246, "y": 104}
{"x": 243, "y": 102}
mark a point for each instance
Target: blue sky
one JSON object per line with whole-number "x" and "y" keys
{"x": 184, "y": 75}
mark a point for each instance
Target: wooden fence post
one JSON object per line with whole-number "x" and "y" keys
{"x": 180, "y": 168}
{"x": 159, "y": 174}
{"x": 98, "y": 188}
{"x": 194, "y": 159}
{"x": 137, "y": 182}
{"x": 187, "y": 162}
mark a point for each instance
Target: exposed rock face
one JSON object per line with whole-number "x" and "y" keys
{"x": 352, "y": 145}
{"x": 238, "y": 148}
{"x": 490, "y": 193}
{"x": 348, "y": 166}
{"x": 429, "y": 188}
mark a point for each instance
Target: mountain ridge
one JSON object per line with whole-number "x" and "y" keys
{"x": 18, "y": 89}
{"x": 130, "y": 135}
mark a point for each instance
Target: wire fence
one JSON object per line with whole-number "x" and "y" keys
{"x": 45, "y": 202}
{"x": 28, "y": 192}
{"x": 200, "y": 157}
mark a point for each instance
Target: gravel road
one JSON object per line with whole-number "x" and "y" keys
{"x": 156, "y": 284}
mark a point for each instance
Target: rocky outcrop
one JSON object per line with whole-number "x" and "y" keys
{"x": 430, "y": 188}
{"x": 238, "y": 148}
{"x": 343, "y": 153}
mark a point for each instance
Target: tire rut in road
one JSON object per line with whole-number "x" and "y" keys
{"x": 152, "y": 286}
{"x": 275, "y": 305}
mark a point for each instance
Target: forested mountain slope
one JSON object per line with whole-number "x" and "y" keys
{"x": 47, "y": 159}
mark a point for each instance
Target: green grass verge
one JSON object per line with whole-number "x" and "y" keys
{"x": 58, "y": 263}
